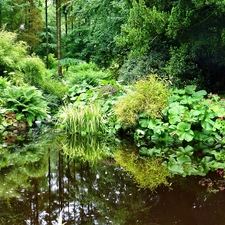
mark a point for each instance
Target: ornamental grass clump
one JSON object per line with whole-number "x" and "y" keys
{"x": 148, "y": 96}
{"x": 82, "y": 119}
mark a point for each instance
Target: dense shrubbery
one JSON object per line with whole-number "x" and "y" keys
{"x": 26, "y": 102}
{"x": 147, "y": 96}
{"x": 183, "y": 128}
{"x": 190, "y": 134}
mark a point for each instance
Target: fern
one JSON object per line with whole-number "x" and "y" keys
{"x": 25, "y": 100}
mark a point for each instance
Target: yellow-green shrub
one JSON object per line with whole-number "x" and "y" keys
{"x": 147, "y": 96}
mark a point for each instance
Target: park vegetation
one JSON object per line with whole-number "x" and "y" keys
{"x": 152, "y": 71}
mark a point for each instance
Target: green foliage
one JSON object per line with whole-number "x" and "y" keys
{"x": 183, "y": 70}
{"x": 11, "y": 51}
{"x": 33, "y": 69}
{"x": 135, "y": 68}
{"x": 148, "y": 173}
{"x": 190, "y": 117}
{"x": 144, "y": 23}
{"x": 147, "y": 96}
{"x": 84, "y": 81}
{"x": 17, "y": 65}
{"x": 54, "y": 87}
{"x": 181, "y": 36}
{"x": 26, "y": 102}
{"x": 83, "y": 120}
{"x": 85, "y": 72}
{"x": 52, "y": 61}
{"x": 92, "y": 36}
{"x": 67, "y": 62}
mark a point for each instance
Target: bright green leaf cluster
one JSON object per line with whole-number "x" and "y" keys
{"x": 25, "y": 101}
{"x": 191, "y": 117}
{"x": 147, "y": 96}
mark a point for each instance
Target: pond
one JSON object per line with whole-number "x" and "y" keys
{"x": 35, "y": 191}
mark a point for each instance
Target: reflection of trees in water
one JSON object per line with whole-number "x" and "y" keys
{"x": 90, "y": 194}
{"x": 100, "y": 195}
{"x": 87, "y": 193}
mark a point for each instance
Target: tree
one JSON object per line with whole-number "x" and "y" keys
{"x": 46, "y": 27}
{"x": 95, "y": 24}
{"x": 59, "y": 33}
{"x": 192, "y": 35}
{"x": 23, "y": 16}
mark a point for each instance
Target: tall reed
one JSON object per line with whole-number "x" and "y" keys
{"x": 84, "y": 120}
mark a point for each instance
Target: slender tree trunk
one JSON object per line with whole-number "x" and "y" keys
{"x": 59, "y": 32}
{"x": 66, "y": 23}
{"x": 46, "y": 26}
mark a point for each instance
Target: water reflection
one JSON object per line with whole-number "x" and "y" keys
{"x": 86, "y": 148}
{"x": 98, "y": 194}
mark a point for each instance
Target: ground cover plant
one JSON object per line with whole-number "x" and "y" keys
{"x": 189, "y": 135}
{"x": 20, "y": 108}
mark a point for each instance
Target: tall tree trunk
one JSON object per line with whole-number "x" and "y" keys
{"x": 46, "y": 27}
{"x": 59, "y": 32}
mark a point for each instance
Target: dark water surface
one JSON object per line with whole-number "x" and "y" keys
{"x": 103, "y": 194}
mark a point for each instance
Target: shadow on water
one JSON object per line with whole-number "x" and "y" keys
{"x": 37, "y": 182}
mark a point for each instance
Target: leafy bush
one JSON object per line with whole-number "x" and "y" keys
{"x": 54, "y": 87}
{"x": 191, "y": 117}
{"x": 26, "y": 102}
{"x": 11, "y": 51}
{"x": 16, "y": 64}
{"x": 88, "y": 72}
{"x": 138, "y": 67}
{"x": 183, "y": 70}
{"x": 147, "y": 96}
{"x": 52, "y": 61}
{"x": 34, "y": 70}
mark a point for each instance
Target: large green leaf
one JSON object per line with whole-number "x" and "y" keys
{"x": 174, "y": 118}
{"x": 190, "y": 89}
{"x": 183, "y": 126}
{"x": 184, "y": 132}
{"x": 147, "y": 123}
{"x": 184, "y": 159}
{"x": 188, "y": 150}
{"x": 176, "y": 109}
{"x": 176, "y": 169}
{"x": 207, "y": 124}
{"x": 199, "y": 94}
{"x": 187, "y": 136}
